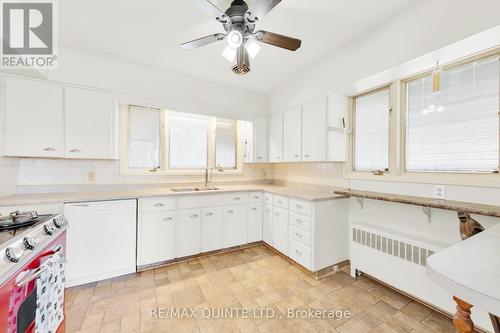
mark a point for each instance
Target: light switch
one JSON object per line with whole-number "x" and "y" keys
{"x": 440, "y": 192}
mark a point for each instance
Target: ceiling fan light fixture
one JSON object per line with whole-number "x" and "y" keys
{"x": 252, "y": 47}
{"x": 234, "y": 39}
{"x": 229, "y": 53}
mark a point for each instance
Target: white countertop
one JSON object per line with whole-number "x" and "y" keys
{"x": 470, "y": 270}
{"x": 66, "y": 197}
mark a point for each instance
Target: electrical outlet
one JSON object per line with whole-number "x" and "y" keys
{"x": 91, "y": 176}
{"x": 439, "y": 191}
{"x": 336, "y": 268}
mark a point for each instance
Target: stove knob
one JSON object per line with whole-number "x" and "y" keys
{"x": 59, "y": 222}
{"x": 30, "y": 243}
{"x": 49, "y": 230}
{"x": 13, "y": 254}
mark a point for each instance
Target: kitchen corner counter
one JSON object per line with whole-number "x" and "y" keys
{"x": 69, "y": 197}
{"x": 458, "y": 206}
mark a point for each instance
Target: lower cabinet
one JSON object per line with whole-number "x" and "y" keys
{"x": 235, "y": 225}
{"x": 280, "y": 230}
{"x": 212, "y": 228}
{"x": 188, "y": 233}
{"x": 156, "y": 235}
{"x": 254, "y": 222}
{"x": 267, "y": 225}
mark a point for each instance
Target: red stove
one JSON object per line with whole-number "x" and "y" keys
{"x": 32, "y": 252}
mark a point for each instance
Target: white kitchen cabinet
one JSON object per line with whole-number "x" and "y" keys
{"x": 188, "y": 233}
{"x": 280, "y": 230}
{"x": 336, "y": 135}
{"x": 101, "y": 240}
{"x": 33, "y": 118}
{"x": 254, "y": 222}
{"x": 212, "y": 229}
{"x": 260, "y": 139}
{"x": 248, "y": 141}
{"x": 235, "y": 225}
{"x": 89, "y": 124}
{"x": 267, "y": 224}
{"x": 292, "y": 135}
{"x": 276, "y": 138}
{"x": 314, "y": 128}
{"x": 156, "y": 237}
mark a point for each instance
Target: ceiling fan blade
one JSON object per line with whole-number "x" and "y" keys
{"x": 202, "y": 41}
{"x": 260, "y": 8}
{"x": 271, "y": 38}
{"x": 211, "y": 9}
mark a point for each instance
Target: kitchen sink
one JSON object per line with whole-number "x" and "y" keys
{"x": 194, "y": 189}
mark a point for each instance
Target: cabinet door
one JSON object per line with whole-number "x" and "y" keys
{"x": 314, "y": 130}
{"x": 89, "y": 123}
{"x": 188, "y": 233}
{"x": 276, "y": 138}
{"x": 235, "y": 225}
{"x": 260, "y": 139}
{"x": 156, "y": 237}
{"x": 248, "y": 141}
{"x": 33, "y": 118}
{"x": 336, "y": 135}
{"x": 280, "y": 230}
{"x": 292, "y": 135}
{"x": 212, "y": 229}
{"x": 267, "y": 225}
{"x": 255, "y": 222}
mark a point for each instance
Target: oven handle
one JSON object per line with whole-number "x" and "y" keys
{"x": 37, "y": 271}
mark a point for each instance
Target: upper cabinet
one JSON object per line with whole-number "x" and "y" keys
{"x": 88, "y": 123}
{"x": 33, "y": 118}
{"x": 255, "y": 140}
{"x": 314, "y": 128}
{"x": 292, "y": 135}
{"x": 276, "y": 138}
{"x": 47, "y": 119}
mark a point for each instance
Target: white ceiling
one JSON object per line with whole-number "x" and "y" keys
{"x": 149, "y": 32}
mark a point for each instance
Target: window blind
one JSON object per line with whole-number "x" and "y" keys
{"x": 188, "y": 138}
{"x": 144, "y": 138}
{"x": 458, "y": 128}
{"x": 372, "y": 131}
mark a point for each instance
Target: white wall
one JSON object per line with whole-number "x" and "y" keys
{"x": 429, "y": 27}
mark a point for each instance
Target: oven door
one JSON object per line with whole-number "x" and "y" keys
{"x": 19, "y": 294}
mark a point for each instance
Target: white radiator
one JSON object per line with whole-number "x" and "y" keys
{"x": 399, "y": 260}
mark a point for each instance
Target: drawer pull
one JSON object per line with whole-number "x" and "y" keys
{"x": 298, "y": 221}
{"x": 49, "y": 149}
{"x": 280, "y": 202}
{"x": 254, "y": 208}
{"x": 298, "y": 235}
{"x": 168, "y": 218}
{"x": 230, "y": 211}
{"x": 75, "y": 151}
{"x": 268, "y": 210}
{"x": 298, "y": 252}
{"x": 209, "y": 214}
{"x": 236, "y": 198}
{"x": 298, "y": 206}
{"x": 277, "y": 214}
{"x": 159, "y": 204}
{"x": 296, "y": 156}
{"x": 306, "y": 155}
{"x": 256, "y": 197}
{"x": 194, "y": 216}
{"x": 259, "y": 157}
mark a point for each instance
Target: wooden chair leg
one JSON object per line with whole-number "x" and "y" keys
{"x": 496, "y": 323}
{"x": 462, "y": 321}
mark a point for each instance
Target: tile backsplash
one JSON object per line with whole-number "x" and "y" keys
{"x": 9, "y": 174}
{"x": 320, "y": 173}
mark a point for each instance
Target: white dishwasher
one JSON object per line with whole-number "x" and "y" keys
{"x": 101, "y": 240}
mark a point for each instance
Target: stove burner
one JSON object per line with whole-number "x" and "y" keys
{"x": 18, "y": 220}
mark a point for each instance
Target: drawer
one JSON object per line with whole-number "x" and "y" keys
{"x": 303, "y": 222}
{"x": 301, "y": 254}
{"x": 200, "y": 201}
{"x": 157, "y": 204}
{"x": 280, "y": 201}
{"x": 236, "y": 198}
{"x": 268, "y": 198}
{"x": 255, "y": 197}
{"x": 300, "y": 206}
{"x": 300, "y": 236}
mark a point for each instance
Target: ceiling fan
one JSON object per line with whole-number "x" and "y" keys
{"x": 239, "y": 22}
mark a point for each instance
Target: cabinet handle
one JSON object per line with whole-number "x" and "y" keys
{"x": 49, "y": 149}
{"x": 298, "y": 221}
{"x": 298, "y": 206}
{"x": 268, "y": 210}
{"x": 256, "y": 197}
{"x": 254, "y": 208}
{"x": 236, "y": 198}
{"x": 298, "y": 252}
{"x": 280, "y": 202}
{"x": 259, "y": 157}
{"x": 194, "y": 216}
{"x": 82, "y": 205}
{"x": 209, "y": 214}
{"x": 277, "y": 214}
{"x": 298, "y": 235}
{"x": 75, "y": 151}
{"x": 278, "y": 157}
{"x": 295, "y": 156}
{"x": 230, "y": 211}
{"x": 306, "y": 155}
{"x": 168, "y": 218}
{"x": 159, "y": 204}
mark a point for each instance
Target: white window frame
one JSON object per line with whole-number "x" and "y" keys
{"x": 164, "y": 148}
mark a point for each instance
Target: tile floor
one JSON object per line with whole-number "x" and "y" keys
{"x": 252, "y": 278}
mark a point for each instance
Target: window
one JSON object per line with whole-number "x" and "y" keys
{"x": 188, "y": 141}
{"x": 458, "y": 128}
{"x": 225, "y": 143}
{"x": 169, "y": 141}
{"x": 371, "y": 141}
{"x": 144, "y": 138}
